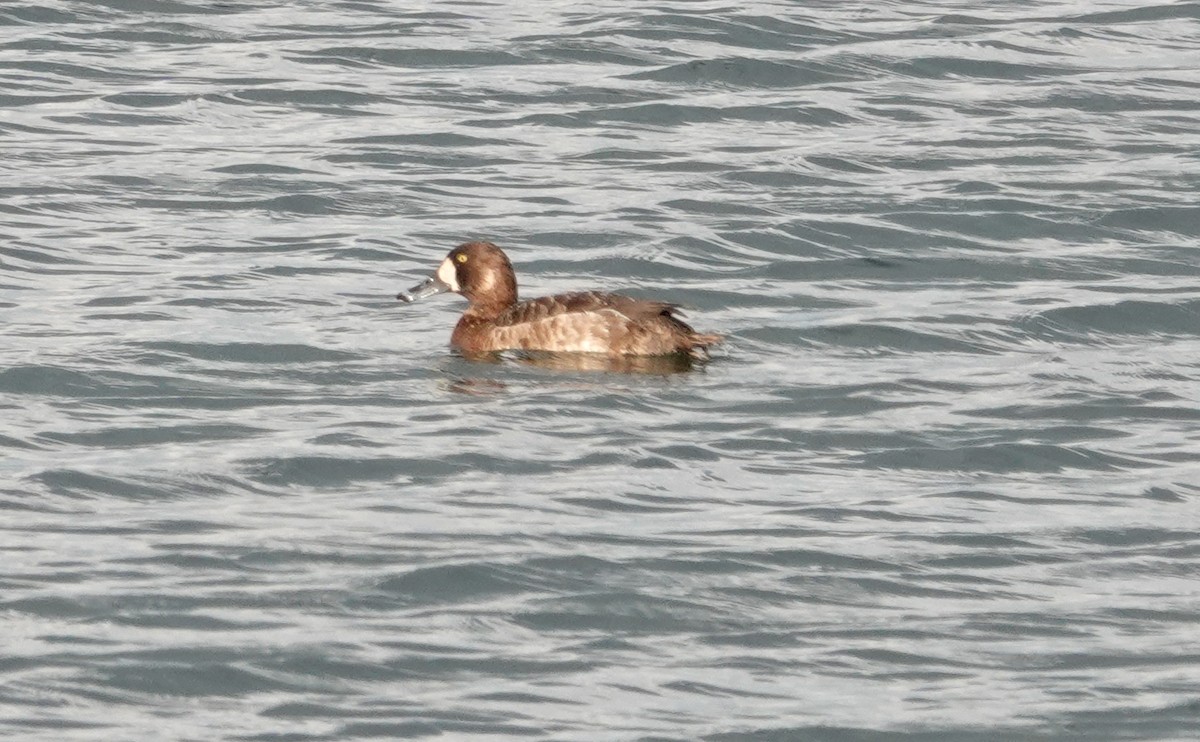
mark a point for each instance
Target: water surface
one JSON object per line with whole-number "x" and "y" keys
{"x": 940, "y": 483}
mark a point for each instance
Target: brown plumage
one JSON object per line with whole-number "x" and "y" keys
{"x": 583, "y": 322}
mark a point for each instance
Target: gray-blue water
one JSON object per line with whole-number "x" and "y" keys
{"x": 942, "y": 482}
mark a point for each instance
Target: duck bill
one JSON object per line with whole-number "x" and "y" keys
{"x": 429, "y": 287}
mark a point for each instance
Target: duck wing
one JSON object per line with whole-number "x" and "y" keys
{"x": 594, "y": 322}
{"x": 584, "y": 302}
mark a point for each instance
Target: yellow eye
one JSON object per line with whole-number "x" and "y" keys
{"x": 461, "y": 258}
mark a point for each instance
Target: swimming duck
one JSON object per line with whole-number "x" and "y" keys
{"x": 581, "y": 322}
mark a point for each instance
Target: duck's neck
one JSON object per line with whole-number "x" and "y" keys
{"x": 495, "y": 293}
{"x": 487, "y": 310}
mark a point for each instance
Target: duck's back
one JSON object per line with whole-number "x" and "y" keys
{"x": 583, "y": 322}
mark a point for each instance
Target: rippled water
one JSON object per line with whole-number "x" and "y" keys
{"x": 941, "y": 482}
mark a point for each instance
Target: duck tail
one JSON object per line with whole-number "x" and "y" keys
{"x": 698, "y": 342}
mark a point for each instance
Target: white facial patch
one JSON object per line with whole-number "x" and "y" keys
{"x": 447, "y": 274}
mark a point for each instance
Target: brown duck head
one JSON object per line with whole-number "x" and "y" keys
{"x": 480, "y": 271}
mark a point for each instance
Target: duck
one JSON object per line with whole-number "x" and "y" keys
{"x": 595, "y": 322}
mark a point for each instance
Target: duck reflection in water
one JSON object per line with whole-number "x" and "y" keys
{"x": 676, "y": 363}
